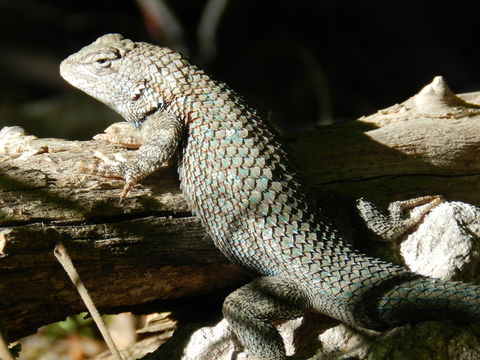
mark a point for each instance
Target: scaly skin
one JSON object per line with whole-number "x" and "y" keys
{"x": 238, "y": 179}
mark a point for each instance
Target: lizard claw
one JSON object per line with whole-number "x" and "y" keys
{"x": 129, "y": 184}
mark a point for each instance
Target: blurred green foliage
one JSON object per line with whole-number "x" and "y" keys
{"x": 74, "y": 324}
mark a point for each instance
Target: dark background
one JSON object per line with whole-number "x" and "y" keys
{"x": 309, "y": 62}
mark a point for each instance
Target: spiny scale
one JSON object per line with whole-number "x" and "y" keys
{"x": 237, "y": 177}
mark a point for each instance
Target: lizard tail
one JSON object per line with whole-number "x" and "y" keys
{"x": 413, "y": 298}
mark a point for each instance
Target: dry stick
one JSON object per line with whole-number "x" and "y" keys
{"x": 63, "y": 258}
{"x": 4, "y": 352}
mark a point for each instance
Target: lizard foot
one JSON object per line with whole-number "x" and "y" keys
{"x": 108, "y": 168}
{"x": 391, "y": 226}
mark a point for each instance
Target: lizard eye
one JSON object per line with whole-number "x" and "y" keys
{"x": 105, "y": 63}
{"x": 103, "y": 59}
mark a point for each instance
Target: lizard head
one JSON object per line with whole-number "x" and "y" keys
{"x": 95, "y": 68}
{"x": 116, "y": 72}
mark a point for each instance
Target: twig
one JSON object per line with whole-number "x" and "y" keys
{"x": 62, "y": 256}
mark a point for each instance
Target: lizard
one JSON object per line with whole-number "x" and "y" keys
{"x": 240, "y": 180}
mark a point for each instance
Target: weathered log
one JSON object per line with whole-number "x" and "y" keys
{"x": 151, "y": 248}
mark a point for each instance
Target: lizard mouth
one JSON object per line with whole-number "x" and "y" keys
{"x": 65, "y": 70}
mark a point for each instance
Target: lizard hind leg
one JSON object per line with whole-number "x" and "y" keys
{"x": 391, "y": 226}
{"x": 251, "y": 309}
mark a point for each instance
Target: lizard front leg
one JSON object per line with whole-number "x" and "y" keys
{"x": 161, "y": 133}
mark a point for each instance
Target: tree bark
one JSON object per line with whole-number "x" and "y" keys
{"x": 150, "y": 249}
